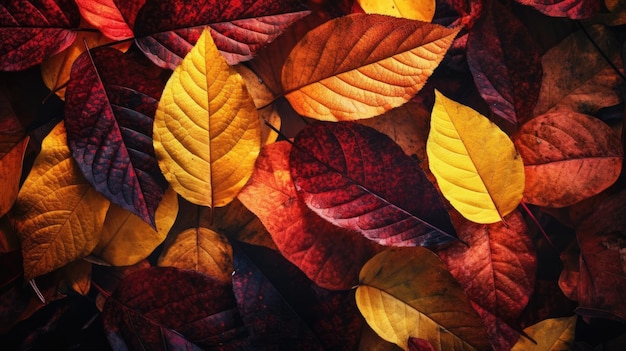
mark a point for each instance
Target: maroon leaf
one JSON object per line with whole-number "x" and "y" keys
{"x": 32, "y": 30}
{"x": 129, "y": 10}
{"x": 417, "y": 344}
{"x": 358, "y": 178}
{"x": 164, "y": 308}
{"x": 285, "y": 310}
{"x": 574, "y": 9}
{"x": 109, "y": 111}
{"x": 505, "y": 63}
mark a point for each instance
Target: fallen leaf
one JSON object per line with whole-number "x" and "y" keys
{"x": 475, "y": 163}
{"x": 574, "y": 9}
{"x": 555, "y": 334}
{"x": 422, "y": 10}
{"x": 334, "y": 74}
{"x": 206, "y": 128}
{"x": 106, "y": 16}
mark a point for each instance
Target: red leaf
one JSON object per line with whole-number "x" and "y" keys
{"x": 330, "y": 256}
{"x": 505, "y": 63}
{"x": 574, "y": 9}
{"x": 129, "y": 10}
{"x": 285, "y": 310}
{"x": 417, "y": 344}
{"x": 358, "y": 178}
{"x": 104, "y": 15}
{"x": 109, "y": 111}
{"x": 32, "y": 30}
{"x": 164, "y": 308}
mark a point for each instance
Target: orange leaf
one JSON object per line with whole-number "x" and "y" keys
{"x": 106, "y": 16}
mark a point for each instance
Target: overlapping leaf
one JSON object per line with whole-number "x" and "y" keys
{"x": 13, "y": 144}
{"x": 358, "y": 178}
{"x": 568, "y": 156}
{"x": 476, "y": 165}
{"x": 106, "y": 16}
{"x": 423, "y": 10}
{"x": 549, "y": 335}
{"x": 33, "y": 30}
{"x": 58, "y": 215}
{"x": 333, "y": 74}
{"x": 574, "y": 9}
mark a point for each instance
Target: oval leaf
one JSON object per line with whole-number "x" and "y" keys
{"x": 206, "y": 129}
{"x": 476, "y": 165}
{"x": 104, "y": 15}
{"x": 333, "y": 74}
{"x": 422, "y": 10}
{"x": 358, "y": 178}
{"x": 407, "y": 292}
{"x": 568, "y": 156}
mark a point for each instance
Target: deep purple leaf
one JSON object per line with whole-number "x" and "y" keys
{"x": 574, "y": 9}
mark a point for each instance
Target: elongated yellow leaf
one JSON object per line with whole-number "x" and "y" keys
{"x": 206, "y": 128}
{"x": 361, "y": 65}
{"x": 422, "y": 10}
{"x": 407, "y": 292}
{"x": 475, "y": 163}
{"x": 126, "y": 239}
{"x": 555, "y": 334}
{"x": 58, "y": 215}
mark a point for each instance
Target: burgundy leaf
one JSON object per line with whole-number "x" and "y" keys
{"x": 285, "y": 310}
{"x": 32, "y": 30}
{"x": 505, "y": 63}
{"x": 164, "y": 308}
{"x": 417, "y": 344}
{"x": 358, "y": 178}
{"x": 109, "y": 111}
{"x": 574, "y": 9}
{"x": 129, "y": 10}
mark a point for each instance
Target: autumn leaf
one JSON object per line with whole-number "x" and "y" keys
{"x": 555, "y": 334}
{"x": 206, "y": 128}
{"x": 332, "y": 74}
{"x": 13, "y": 144}
{"x": 422, "y": 10}
{"x": 407, "y": 292}
{"x": 58, "y": 215}
{"x": 476, "y": 165}
{"x": 574, "y": 9}
{"x": 106, "y": 16}
{"x": 568, "y": 157}
{"x": 357, "y": 178}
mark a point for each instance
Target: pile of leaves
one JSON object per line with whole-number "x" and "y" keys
{"x": 312, "y": 175}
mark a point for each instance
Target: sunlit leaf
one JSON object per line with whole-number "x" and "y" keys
{"x": 422, "y": 10}
{"x": 104, "y": 15}
{"x": 556, "y": 334}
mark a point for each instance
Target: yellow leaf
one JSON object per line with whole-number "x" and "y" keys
{"x": 127, "y": 239}
{"x": 200, "y": 249}
{"x": 206, "y": 128}
{"x": 475, "y": 163}
{"x": 58, "y": 214}
{"x": 556, "y": 334}
{"x": 359, "y": 66}
{"x": 421, "y": 10}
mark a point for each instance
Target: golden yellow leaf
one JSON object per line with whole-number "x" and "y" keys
{"x": 127, "y": 239}
{"x": 555, "y": 334}
{"x": 475, "y": 163}
{"x": 200, "y": 249}
{"x": 58, "y": 214}
{"x": 361, "y": 65}
{"x": 421, "y": 10}
{"x": 206, "y": 128}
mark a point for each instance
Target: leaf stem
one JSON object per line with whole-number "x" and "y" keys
{"x": 543, "y": 232}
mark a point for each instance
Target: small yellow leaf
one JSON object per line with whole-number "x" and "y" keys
{"x": 475, "y": 163}
{"x": 58, "y": 215}
{"x": 127, "y": 239}
{"x": 206, "y": 128}
{"x": 555, "y": 334}
{"x": 421, "y": 10}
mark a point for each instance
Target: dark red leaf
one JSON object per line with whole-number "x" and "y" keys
{"x": 505, "y": 63}
{"x": 129, "y": 9}
{"x": 417, "y": 344}
{"x": 358, "y": 178}
{"x": 109, "y": 111}
{"x": 285, "y": 310}
{"x": 32, "y": 30}
{"x": 11, "y": 263}
{"x": 164, "y": 308}
{"x": 574, "y": 9}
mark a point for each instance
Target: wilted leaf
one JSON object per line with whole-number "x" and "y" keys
{"x": 334, "y": 73}
{"x": 556, "y": 334}
{"x": 407, "y": 292}
{"x": 33, "y": 30}
{"x": 568, "y": 156}
{"x": 574, "y": 9}
{"x": 422, "y": 10}
{"x": 357, "y": 178}
{"x": 110, "y": 103}
{"x": 476, "y": 165}
{"x": 58, "y": 215}
{"x": 206, "y": 129}
{"x": 330, "y": 256}
{"x": 104, "y": 15}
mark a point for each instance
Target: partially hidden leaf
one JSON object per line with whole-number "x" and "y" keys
{"x": 110, "y": 104}
{"x": 206, "y": 128}
{"x": 58, "y": 215}
{"x": 476, "y": 165}
{"x": 13, "y": 144}
{"x": 568, "y": 156}
{"x": 358, "y": 178}
{"x": 422, "y": 10}
{"x": 352, "y": 67}
{"x": 33, "y": 30}
{"x": 407, "y": 292}
{"x": 329, "y": 255}
{"x": 106, "y": 16}
{"x": 574, "y": 9}
{"x": 555, "y": 334}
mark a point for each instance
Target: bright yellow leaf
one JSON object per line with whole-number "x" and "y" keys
{"x": 475, "y": 163}
{"x": 555, "y": 334}
{"x": 206, "y": 128}
{"x": 58, "y": 214}
{"x": 421, "y": 10}
{"x": 127, "y": 239}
